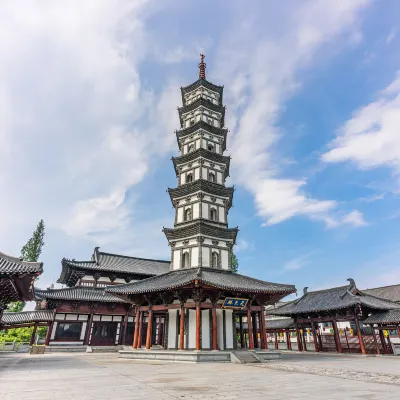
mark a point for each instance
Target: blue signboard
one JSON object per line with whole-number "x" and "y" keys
{"x": 233, "y": 302}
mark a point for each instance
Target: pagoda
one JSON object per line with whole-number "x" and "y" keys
{"x": 200, "y": 299}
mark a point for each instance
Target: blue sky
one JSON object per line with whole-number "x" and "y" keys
{"x": 312, "y": 91}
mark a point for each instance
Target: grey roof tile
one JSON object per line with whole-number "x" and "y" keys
{"x": 77, "y": 293}
{"x": 384, "y": 317}
{"x": 14, "y": 266}
{"x": 218, "y": 278}
{"x": 332, "y": 299}
{"x": 23, "y": 317}
{"x": 391, "y": 293}
{"x": 280, "y": 323}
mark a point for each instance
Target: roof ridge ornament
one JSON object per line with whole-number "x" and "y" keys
{"x": 305, "y": 290}
{"x": 202, "y": 67}
{"x": 352, "y": 282}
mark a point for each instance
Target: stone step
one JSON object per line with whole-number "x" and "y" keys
{"x": 246, "y": 357}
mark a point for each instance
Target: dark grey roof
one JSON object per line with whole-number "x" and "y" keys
{"x": 114, "y": 263}
{"x": 203, "y": 186}
{"x": 384, "y": 317}
{"x": 222, "y": 132}
{"x": 332, "y": 299}
{"x": 280, "y": 323}
{"x": 391, "y": 293}
{"x": 201, "y": 228}
{"x": 14, "y": 266}
{"x": 201, "y": 102}
{"x": 77, "y": 293}
{"x": 203, "y": 153}
{"x": 206, "y": 84}
{"x": 24, "y": 317}
{"x": 226, "y": 280}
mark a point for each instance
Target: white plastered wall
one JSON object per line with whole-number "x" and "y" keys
{"x": 228, "y": 329}
{"x": 195, "y": 257}
{"x": 205, "y": 329}
{"x": 192, "y": 329}
{"x": 220, "y": 330}
{"x": 172, "y": 328}
{"x": 224, "y": 259}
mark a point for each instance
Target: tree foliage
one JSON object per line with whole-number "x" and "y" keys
{"x": 30, "y": 252}
{"x": 235, "y": 263}
{"x": 21, "y": 334}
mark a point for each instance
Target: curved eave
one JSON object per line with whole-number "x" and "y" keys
{"x": 221, "y": 132}
{"x": 200, "y": 228}
{"x": 202, "y": 153}
{"x": 200, "y": 185}
{"x": 202, "y": 103}
{"x": 206, "y": 84}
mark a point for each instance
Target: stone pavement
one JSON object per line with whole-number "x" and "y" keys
{"x": 104, "y": 376}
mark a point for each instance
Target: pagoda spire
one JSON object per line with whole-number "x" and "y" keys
{"x": 202, "y": 67}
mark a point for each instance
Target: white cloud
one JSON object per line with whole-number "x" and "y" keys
{"x": 298, "y": 262}
{"x": 391, "y": 36}
{"x": 77, "y": 124}
{"x": 264, "y": 75}
{"x": 370, "y": 139}
{"x": 354, "y": 218}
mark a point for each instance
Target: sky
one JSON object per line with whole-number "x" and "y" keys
{"x": 88, "y": 108}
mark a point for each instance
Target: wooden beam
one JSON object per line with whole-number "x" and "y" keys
{"x": 339, "y": 348}
{"x": 250, "y": 329}
{"x": 359, "y": 334}
{"x": 136, "y": 333}
{"x": 182, "y": 329}
{"x": 88, "y": 329}
{"x": 375, "y": 341}
{"x": 314, "y": 333}
{"x": 149, "y": 330}
{"x": 214, "y": 329}
{"x": 31, "y": 342}
{"x": 298, "y": 338}
{"x": 141, "y": 316}
{"x": 198, "y": 326}
{"x": 263, "y": 331}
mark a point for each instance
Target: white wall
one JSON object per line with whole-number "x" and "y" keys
{"x": 205, "y": 329}
{"x": 195, "y": 257}
{"x": 196, "y": 210}
{"x": 177, "y": 259}
{"x": 228, "y": 329}
{"x": 192, "y": 329}
{"x": 172, "y": 328}
{"x": 220, "y": 330}
{"x": 224, "y": 259}
{"x": 205, "y": 257}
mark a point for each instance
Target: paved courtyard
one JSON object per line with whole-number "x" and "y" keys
{"x": 104, "y": 376}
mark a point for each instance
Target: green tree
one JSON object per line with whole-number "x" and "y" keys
{"x": 235, "y": 263}
{"x": 30, "y": 252}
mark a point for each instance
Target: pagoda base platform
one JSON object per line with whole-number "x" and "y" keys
{"x": 194, "y": 356}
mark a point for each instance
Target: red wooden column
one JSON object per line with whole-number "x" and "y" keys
{"x": 304, "y": 341}
{"x": 288, "y": 341}
{"x": 214, "y": 329}
{"x": 383, "y": 341}
{"x": 375, "y": 341}
{"x": 139, "y": 343}
{"x": 50, "y": 329}
{"x": 136, "y": 333}
{"x": 250, "y": 329}
{"x": 149, "y": 329}
{"x": 33, "y": 334}
{"x": 88, "y": 329}
{"x": 198, "y": 326}
{"x": 123, "y": 340}
{"x": 182, "y": 329}
{"x": 314, "y": 333}
{"x": 242, "y": 343}
{"x": 337, "y": 337}
{"x": 299, "y": 347}
{"x": 263, "y": 331}
{"x": 359, "y": 334}
{"x": 276, "y": 340}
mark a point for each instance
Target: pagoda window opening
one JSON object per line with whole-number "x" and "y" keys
{"x": 214, "y": 259}
{"x": 213, "y": 214}
{"x": 188, "y": 214}
{"x": 191, "y": 147}
{"x": 189, "y": 178}
{"x": 186, "y": 260}
{"x": 192, "y": 122}
{"x": 210, "y": 121}
{"x": 210, "y": 147}
{"x": 211, "y": 177}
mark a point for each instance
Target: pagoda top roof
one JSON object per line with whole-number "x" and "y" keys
{"x": 15, "y": 266}
{"x": 111, "y": 263}
{"x": 220, "y": 279}
{"x": 201, "y": 185}
{"x": 206, "y": 84}
{"x": 333, "y": 299}
{"x": 203, "y": 153}
{"x": 201, "y": 228}
{"x": 78, "y": 293}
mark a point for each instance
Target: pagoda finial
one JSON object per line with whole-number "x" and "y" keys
{"x": 202, "y": 67}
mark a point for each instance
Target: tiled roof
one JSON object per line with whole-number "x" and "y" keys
{"x": 201, "y": 228}
{"x": 115, "y": 263}
{"x": 222, "y": 132}
{"x": 203, "y": 153}
{"x": 332, "y": 299}
{"x": 201, "y": 102}
{"x": 23, "y": 317}
{"x": 280, "y": 323}
{"x": 14, "y": 266}
{"x": 384, "y": 317}
{"x": 391, "y": 293}
{"x": 206, "y": 84}
{"x": 77, "y": 293}
{"x": 203, "y": 186}
{"x": 226, "y": 280}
